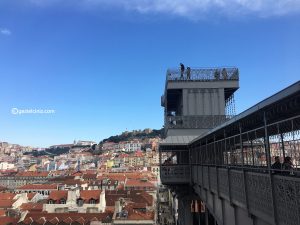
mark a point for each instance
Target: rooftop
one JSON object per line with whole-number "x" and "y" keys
{"x": 39, "y": 187}
{"x": 57, "y": 195}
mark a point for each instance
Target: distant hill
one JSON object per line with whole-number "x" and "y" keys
{"x": 49, "y": 152}
{"x": 135, "y": 134}
{"x": 57, "y": 150}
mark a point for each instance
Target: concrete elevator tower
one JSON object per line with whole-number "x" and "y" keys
{"x": 196, "y": 102}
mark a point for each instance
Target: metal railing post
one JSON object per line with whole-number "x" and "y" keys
{"x": 267, "y": 147}
{"x": 243, "y": 170}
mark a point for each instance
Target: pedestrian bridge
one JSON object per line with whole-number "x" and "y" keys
{"x": 229, "y": 169}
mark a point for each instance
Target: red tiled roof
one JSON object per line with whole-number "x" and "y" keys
{"x": 94, "y": 219}
{"x": 130, "y": 196}
{"x": 7, "y": 196}
{"x": 36, "y": 207}
{"x": 81, "y": 220}
{"x": 27, "y": 220}
{"x": 57, "y": 195}
{"x": 138, "y": 183}
{"x": 55, "y": 220}
{"x": 41, "y": 220}
{"x": 90, "y": 194}
{"x": 137, "y": 215}
{"x": 141, "y": 205}
{"x": 93, "y": 171}
{"x": 73, "y": 182}
{"x": 30, "y": 195}
{"x": 2, "y": 212}
{"x": 38, "y": 187}
{"x": 4, "y": 204}
{"x": 89, "y": 176}
{"x": 32, "y": 174}
{"x": 78, "y": 173}
{"x": 120, "y": 187}
{"x": 68, "y": 220}
{"x": 66, "y": 217}
{"x": 8, "y": 220}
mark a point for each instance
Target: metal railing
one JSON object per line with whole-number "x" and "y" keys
{"x": 175, "y": 174}
{"x": 203, "y": 74}
{"x": 256, "y": 149}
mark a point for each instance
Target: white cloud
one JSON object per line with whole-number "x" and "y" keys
{"x": 193, "y": 8}
{"x": 5, "y": 31}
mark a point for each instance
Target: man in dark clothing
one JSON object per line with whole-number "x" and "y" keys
{"x": 181, "y": 70}
{"x": 287, "y": 164}
{"x": 276, "y": 165}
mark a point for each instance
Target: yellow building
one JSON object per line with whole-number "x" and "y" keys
{"x": 109, "y": 163}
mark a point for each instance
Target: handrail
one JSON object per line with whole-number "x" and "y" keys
{"x": 203, "y": 74}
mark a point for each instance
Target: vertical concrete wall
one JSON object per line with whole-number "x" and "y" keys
{"x": 199, "y": 102}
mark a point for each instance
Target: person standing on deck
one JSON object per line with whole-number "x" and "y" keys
{"x": 181, "y": 70}
{"x": 188, "y": 73}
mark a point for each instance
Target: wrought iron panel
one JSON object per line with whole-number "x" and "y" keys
{"x": 287, "y": 200}
{"x": 237, "y": 187}
{"x": 223, "y": 182}
{"x": 259, "y": 193}
{"x": 213, "y": 179}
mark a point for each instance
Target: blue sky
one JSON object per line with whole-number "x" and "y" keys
{"x": 101, "y": 64}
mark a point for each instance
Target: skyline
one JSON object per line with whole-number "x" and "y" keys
{"x": 103, "y": 69}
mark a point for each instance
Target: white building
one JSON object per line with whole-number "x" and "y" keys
{"x": 84, "y": 143}
{"x": 6, "y": 166}
{"x": 81, "y": 201}
{"x": 130, "y": 146}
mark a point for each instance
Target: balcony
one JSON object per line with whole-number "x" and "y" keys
{"x": 175, "y": 174}
{"x": 194, "y": 122}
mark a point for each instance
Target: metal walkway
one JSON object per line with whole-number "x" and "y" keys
{"x": 232, "y": 168}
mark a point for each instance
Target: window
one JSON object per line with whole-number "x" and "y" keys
{"x": 62, "y": 201}
{"x": 80, "y": 202}
{"x": 92, "y": 201}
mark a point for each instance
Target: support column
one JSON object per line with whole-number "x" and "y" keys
{"x": 185, "y": 215}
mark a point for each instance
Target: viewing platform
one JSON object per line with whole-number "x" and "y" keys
{"x": 203, "y": 74}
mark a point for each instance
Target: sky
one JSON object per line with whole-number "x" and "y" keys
{"x": 100, "y": 65}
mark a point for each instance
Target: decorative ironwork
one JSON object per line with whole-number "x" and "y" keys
{"x": 230, "y": 106}
{"x": 287, "y": 200}
{"x": 223, "y": 183}
{"x": 237, "y": 187}
{"x": 259, "y": 193}
{"x": 213, "y": 179}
